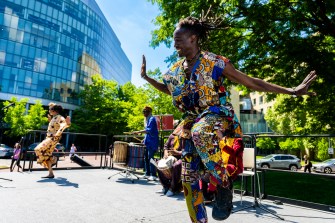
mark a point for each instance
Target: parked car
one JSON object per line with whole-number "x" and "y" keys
{"x": 327, "y": 166}
{"x": 6, "y": 151}
{"x": 279, "y": 161}
{"x": 59, "y": 148}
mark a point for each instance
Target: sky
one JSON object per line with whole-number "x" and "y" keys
{"x": 131, "y": 20}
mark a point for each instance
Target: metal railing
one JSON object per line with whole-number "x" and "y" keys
{"x": 30, "y": 158}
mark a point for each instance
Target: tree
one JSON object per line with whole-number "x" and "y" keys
{"x": 296, "y": 122}
{"x": 102, "y": 110}
{"x": 280, "y": 41}
{"x": 15, "y": 117}
{"x": 36, "y": 116}
{"x": 266, "y": 143}
{"x": 109, "y": 108}
{"x": 323, "y": 145}
{"x": 290, "y": 145}
{"x": 22, "y": 121}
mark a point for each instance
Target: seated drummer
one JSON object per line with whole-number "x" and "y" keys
{"x": 174, "y": 185}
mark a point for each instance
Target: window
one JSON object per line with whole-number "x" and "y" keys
{"x": 277, "y": 157}
{"x": 289, "y": 157}
{"x": 2, "y": 57}
{"x": 261, "y": 100}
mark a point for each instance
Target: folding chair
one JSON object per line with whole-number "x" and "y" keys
{"x": 249, "y": 165}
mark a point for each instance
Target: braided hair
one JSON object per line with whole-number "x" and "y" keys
{"x": 198, "y": 27}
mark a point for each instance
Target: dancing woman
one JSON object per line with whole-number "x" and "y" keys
{"x": 44, "y": 150}
{"x": 210, "y": 132}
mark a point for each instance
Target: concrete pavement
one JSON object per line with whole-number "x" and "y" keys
{"x": 87, "y": 196}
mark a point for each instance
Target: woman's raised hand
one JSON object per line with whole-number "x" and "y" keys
{"x": 144, "y": 67}
{"x": 302, "y": 89}
{"x": 68, "y": 120}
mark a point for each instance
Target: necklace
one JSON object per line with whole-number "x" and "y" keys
{"x": 193, "y": 58}
{"x": 188, "y": 65}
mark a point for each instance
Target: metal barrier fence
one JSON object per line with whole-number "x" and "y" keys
{"x": 91, "y": 151}
{"x": 254, "y": 137}
{"x": 93, "y": 160}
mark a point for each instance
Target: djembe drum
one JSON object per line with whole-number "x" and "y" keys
{"x": 165, "y": 166}
{"x": 120, "y": 152}
{"x": 136, "y": 155}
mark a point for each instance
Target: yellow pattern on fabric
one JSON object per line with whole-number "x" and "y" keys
{"x": 238, "y": 131}
{"x": 226, "y": 142}
{"x": 45, "y": 149}
{"x": 176, "y": 144}
{"x": 198, "y": 198}
{"x": 215, "y": 157}
{"x": 225, "y": 158}
{"x": 188, "y": 198}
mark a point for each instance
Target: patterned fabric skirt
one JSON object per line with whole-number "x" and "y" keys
{"x": 44, "y": 151}
{"x": 203, "y": 149}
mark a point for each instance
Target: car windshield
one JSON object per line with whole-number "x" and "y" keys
{"x": 329, "y": 161}
{"x": 268, "y": 157}
{"x": 4, "y": 146}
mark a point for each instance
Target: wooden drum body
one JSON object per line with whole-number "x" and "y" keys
{"x": 120, "y": 152}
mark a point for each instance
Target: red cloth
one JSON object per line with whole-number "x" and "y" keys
{"x": 235, "y": 161}
{"x": 234, "y": 166}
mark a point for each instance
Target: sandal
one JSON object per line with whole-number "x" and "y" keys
{"x": 49, "y": 177}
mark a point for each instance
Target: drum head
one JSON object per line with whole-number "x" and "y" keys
{"x": 120, "y": 142}
{"x": 167, "y": 163}
{"x": 138, "y": 144}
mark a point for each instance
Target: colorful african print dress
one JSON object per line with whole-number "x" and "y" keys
{"x": 45, "y": 149}
{"x": 203, "y": 100}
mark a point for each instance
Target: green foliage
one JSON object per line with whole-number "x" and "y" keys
{"x": 292, "y": 120}
{"x": 19, "y": 120}
{"x": 266, "y": 143}
{"x": 108, "y": 108}
{"x": 291, "y": 144}
{"x": 36, "y": 116}
{"x": 280, "y": 41}
{"x": 102, "y": 110}
{"x": 14, "y": 117}
{"x": 322, "y": 152}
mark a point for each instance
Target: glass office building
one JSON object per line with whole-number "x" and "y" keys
{"x": 49, "y": 49}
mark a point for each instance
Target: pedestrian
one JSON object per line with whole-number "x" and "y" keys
{"x": 73, "y": 150}
{"x": 195, "y": 83}
{"x": 44, "y": 150}
{"x": 151, "y": 140}
{"x": 308, "y": 164}
{"x": 16, "y": 158}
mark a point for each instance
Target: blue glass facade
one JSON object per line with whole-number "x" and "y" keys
{"x": 50, "y": 48}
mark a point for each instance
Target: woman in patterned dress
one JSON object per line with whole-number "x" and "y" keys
{"x": 210, "y": 132}
{"x": 44, "y": 150}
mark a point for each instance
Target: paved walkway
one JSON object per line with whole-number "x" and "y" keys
{"x": 87, "y": 196}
